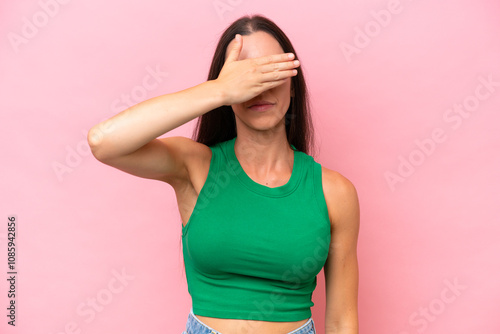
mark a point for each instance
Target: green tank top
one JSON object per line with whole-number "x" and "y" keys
{"x": 251, "y": 251}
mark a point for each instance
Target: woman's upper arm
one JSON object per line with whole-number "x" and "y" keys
{"x": 341, "y": 267}
{"x": 166, "y": 159}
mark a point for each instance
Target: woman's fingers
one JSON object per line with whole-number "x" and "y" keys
{"x": 234, "y": 53}
{"x": 282, "y": 66}
{"x": 274, "y": 58}
{"x": 278, "y": 75}
{"x": 277, "y": 67}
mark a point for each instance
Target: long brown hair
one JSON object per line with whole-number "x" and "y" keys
{"x": 219, "y": 124}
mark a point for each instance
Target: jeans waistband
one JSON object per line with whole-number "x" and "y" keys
{"x": 196, "y": 326}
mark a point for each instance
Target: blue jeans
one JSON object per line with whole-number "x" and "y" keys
{"x": 196, "y": 326}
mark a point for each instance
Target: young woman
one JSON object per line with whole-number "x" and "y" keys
{"x": 260, "y": 217}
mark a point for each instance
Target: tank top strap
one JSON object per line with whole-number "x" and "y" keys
{"x": 318, "y": 188}
{"x": 209, "y": 187}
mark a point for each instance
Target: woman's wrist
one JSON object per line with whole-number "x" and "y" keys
{"x": 217, "y": 92}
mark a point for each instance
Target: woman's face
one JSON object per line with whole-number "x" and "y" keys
{"x": 251, "y": 114}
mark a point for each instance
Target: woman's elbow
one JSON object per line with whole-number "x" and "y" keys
{"x": 95, "y": 139}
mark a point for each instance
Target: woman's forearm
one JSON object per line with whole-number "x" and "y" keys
{"x": 134, "y": 127}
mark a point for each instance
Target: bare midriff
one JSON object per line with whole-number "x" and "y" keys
{"x": 241, "y": 326}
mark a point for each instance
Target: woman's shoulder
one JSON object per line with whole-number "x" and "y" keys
{"x": 340, "y": 194}
{"x": 336, "y": 180}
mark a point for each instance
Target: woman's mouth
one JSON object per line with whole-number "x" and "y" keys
{"x": 261, "y": 106}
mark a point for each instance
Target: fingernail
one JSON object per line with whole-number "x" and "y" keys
{"x": 296, "y": 62}
{"x": 291, "y": 55}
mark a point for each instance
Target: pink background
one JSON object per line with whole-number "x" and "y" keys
{"x": 383, "y": 90}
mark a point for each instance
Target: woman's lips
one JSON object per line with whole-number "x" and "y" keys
{"x": 261, "y": 106}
